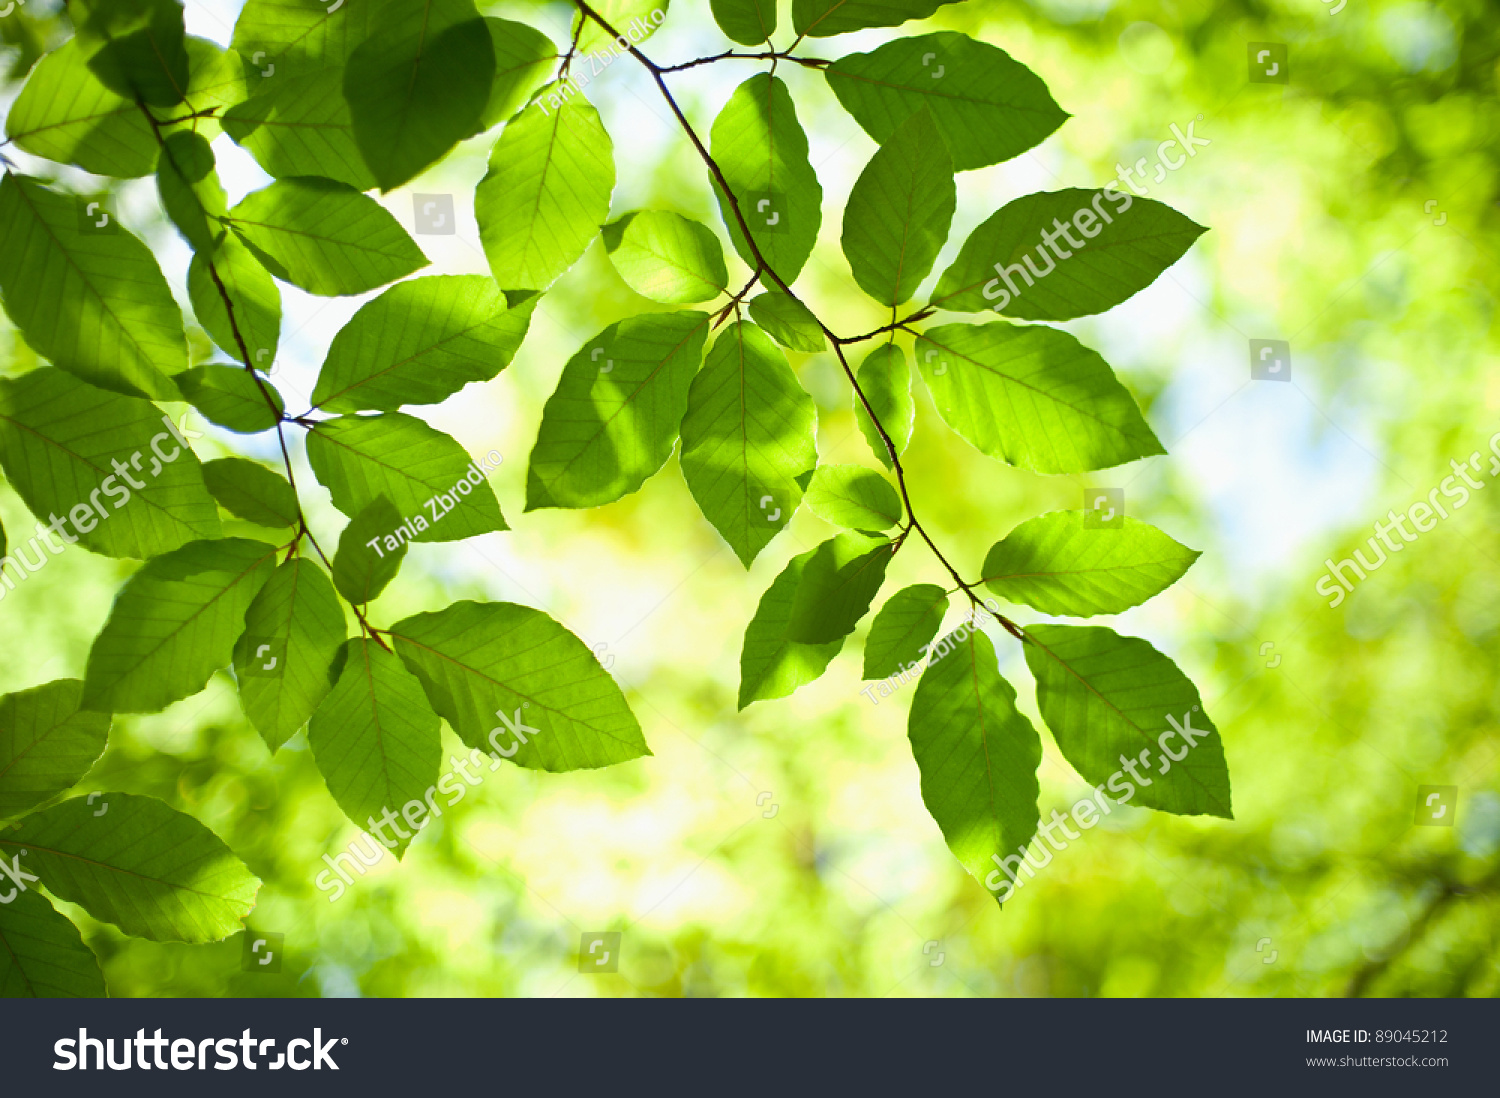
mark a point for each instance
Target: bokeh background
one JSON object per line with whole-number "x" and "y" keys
{"x": 785, "y": 850}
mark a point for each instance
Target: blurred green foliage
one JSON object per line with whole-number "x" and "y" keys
{"x": 1352, "y": 211}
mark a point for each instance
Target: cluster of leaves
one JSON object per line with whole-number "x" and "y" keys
{"x": 334, "y": 101}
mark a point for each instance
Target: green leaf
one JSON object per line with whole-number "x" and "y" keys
{"x": 292, "y": 37}
{"x": 491, "y": 668}
{"x": 376, "y": 739}
{"x": 855, "y": 497}
{"x": 825, "y": 18}
{"x": 418, "y": 85}
{"x": 136, "y": 47}
{"x": 616, "y": 412}
{"x": 369, "y": 553}
{"x": 425, "y": 473}
{"x": 150, "y": 870}
{"x": 524, "y": 58}
{"x": 92, "y": 301}
{"x": 770, "y": 665}
{"x": 1005, "y": 267}
{"x": 65, "y": 114}
{"x": 253, "y": 294}
{"x": 762, "y": 151}
{"x": 419, "y": 343}
{"x": 69, "y": 447}
{"x": 47, "y": 745}
{"x": 666, "y": 257}
{"x": 624, "y": 16}
{"x": 231, "y": 397}
{"x": 1033, "y": 397}
{"x": 190, "y": 191}
{"x": 325, "y": 237}
{"x": 252, "y": 492}
{"x": 788, "y": 322}
{"x": 42, "y": 955}
{"x": 885, "y": 378}
{"x": 301, "y": 125}
{"x": 1058, "y": 565}
{"x": 1111, "y": 699}
{"x": 837, "y": 586}
{"x": 748, "y": 22}
{"x": 748, "y": 440}
{"x": 174, "y": 624}
{"x": 546, "y": 193}
{"x": 903, "y": 629}
{"x": 987, "y": 106}
{"x": 293, "y": 633}
{"x": 899, "y": 211}
{"x": 977, "y": 753}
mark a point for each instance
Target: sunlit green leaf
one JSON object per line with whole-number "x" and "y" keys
{"x": 770, "y": 665}
{"x": 417, "y": 85}
{"x": 1033, "y": 397}
{"x": 325, "y": 237}
{"x": 1060, "y": 566}
{"x": 762, "y": 151}
{"x": 42, "y": 955}
{"x": 300, "y": 125}
{"x": 903, "y": 628}
{"x": 616, "y": 412}
{"x": 437, "y": 489}
{"x": 885, "y": 379}
{"x": 667, "y": 257}
{"x": 748, "y": 22}
{"x": 419, "y": 343}
{"x": 231, "y": 397}
{"x": 899, "y": 211}
{"x": 823, "y": 18}
{"x": 524, "y": 58}
{"x": 837, "y": 586}
{"x": 251, "y": 491}
{"x": 987, "y": 106}
{"x": 365, "y": 563}
{"x": 135, "y": 47}
{"x": 788, "y": 322}
{"x": 514, "y": 683}
{"x": 85, "y": 293}
{"x": 279, "y": 39}
{"x": 135, "y": 862}
{"x": 748, "y": 439}
{"x": 977, "y": 753}
{"x": 1105, "y": 246}
{"x": 252, "y": 293}
{"x": 174, "y": 624}
{"x": 1115, "y": 705}
{"x": 376, "y": 740}
{"x": 47, "y": 744}
{"x": 108, "y": 466}
{"x": 547, "y": 191}
{"x": 190, "y": 191}
{"x": 293, "y": 632}
{"x": 853, "y": 496}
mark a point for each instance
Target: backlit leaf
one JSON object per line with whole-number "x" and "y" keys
{"x": 616, "y": 412}
{"x": 837, "y": 586}
{"x": 667, "y": 257}
{"x": 293, "y": 632}
{"x": 376, "y": 740}
{"x": 1060, "y": 566}
{"x": 47, "y": 744}
{"x": 903, "y": 629}
{"x": 174, "y": 624}
{"x": 1115, "y": 705}
{"x": 251, "y": 491}
{"x": 748, "y": 440}
{"x": 150, "y": 870}
{"x": 855, "y": 497}
{"x": 885, "y": 379}
{"x": 1032, "y": 396}
{"x": 490, "y": 668}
